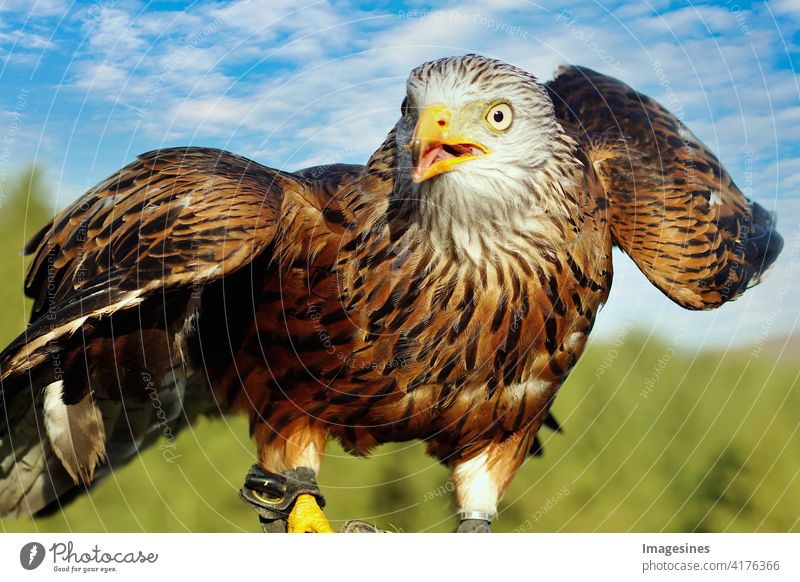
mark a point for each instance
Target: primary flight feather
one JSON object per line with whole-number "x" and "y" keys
{"x": 442, "y": 292}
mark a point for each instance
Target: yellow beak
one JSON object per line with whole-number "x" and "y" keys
{"x": 437, "y": 147}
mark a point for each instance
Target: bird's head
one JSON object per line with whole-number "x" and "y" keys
{"x": 474, "y": 136}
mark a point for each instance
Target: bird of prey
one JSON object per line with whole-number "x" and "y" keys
{"x": 443, "y": 291}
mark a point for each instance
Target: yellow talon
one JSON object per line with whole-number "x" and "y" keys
{"x": 307, "y": 517}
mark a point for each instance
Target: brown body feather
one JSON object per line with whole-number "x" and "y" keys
{"x": 378, "y": 339}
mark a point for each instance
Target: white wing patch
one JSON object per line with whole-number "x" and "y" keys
{"x": 76, "y": 432}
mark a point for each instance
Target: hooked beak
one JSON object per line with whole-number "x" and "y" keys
{"x": 437, "y": 147}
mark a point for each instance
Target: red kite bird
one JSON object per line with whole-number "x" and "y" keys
{"x": 442, "y": 292}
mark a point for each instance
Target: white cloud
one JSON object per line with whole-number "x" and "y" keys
{"x": 215, "y": 114}
{"x": 266, "y": 18}
{"x": 104, "y": 78}
{"x": 34, "y": 9}
{"x": 785, "y": 7}
{"x": 115, "y": 30}
{"x": 26, "y": 40}
{"x": 695, "y": 20}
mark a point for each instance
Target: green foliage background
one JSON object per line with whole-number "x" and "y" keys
{"x": 712, "y": 445}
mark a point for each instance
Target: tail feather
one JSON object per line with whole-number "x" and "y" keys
{"x": 35, "y": 481}
{"x": 57, "y": 439}
{"x": 31, "y": 475}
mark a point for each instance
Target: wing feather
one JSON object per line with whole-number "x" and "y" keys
{"x": 174, "y": 218}
{"x": 673, "y": 207}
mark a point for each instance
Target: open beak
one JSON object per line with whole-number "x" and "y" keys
{"x": 437, "y": 147}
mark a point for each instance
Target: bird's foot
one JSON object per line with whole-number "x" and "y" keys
{"x": 358, "y": 526}
{"x": 307, "y": 517}
{"x": 473, "y": 526}
{"x": 288, "y": 501}
{"x": 475, "y": 522}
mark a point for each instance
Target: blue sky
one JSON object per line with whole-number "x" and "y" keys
{"x": 88, "y": 85}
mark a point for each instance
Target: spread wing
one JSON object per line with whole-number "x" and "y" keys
{"x": 121, "y": 266}
{"x": 173, "y": 218}
{"x": 673, "y": 208}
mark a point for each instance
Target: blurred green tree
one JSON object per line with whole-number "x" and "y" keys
{"x": 25, "y": 205}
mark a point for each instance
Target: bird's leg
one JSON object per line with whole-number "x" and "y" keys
{"x": 481, "y": 480}
{"x": 282, "y": 488}
{"x": 476, "y": 493}
{"x": 286, "y": 501}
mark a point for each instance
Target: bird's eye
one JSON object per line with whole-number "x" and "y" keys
{"x": 404, "y": 107}
{"x": 499, "y": 116}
